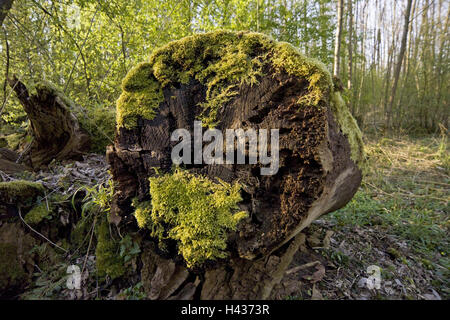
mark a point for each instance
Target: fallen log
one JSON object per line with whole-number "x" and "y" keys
{"x": 203, "y": 240}
{"x": 56, "y": 132}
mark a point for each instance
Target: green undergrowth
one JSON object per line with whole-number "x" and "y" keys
{"x": 109, "y": 261}
{"x": 115, "y": 255}
{"x": 50, "y": 276}
{"x": 405, "y": 193}
{"x": 193, "y": 210}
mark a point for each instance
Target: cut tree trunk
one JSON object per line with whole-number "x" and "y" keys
{"x": 56, "y": 132}
{"x": 316, "y": 176}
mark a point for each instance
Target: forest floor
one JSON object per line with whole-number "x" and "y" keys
{"x": 398, "y": 223}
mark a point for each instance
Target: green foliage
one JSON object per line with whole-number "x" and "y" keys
{"x": 194, "y": 211}
{"x": 50, "y": 276}
{"x": 90, "y": 57}
{"x": 97, "y": 198}
{"x": 135, "y": 292}
{"x": 96, "y": 202}
{"x": 48, "y": 284}
{"x": 100, "y": 122}
{"x": 114, "y": 258}
{"x": 129, "y": 249}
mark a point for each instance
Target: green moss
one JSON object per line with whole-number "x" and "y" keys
{"x": 11, "y": 271}
{"x": 194, "y": 211}
{"x": 108, "y": 259}
{"x": 37, "y": 214}
{"x": 394, "y": 253}
{"x": 142, "y": 213}
{"x": 20, "y": 190}
{"x": 427, "y": 263}
{"x": 46, "y": 87}
{"x": 349, "y": 128}
{"x": 131, "y": 105}
{"x": 222, "y": 61}
{"x": 14, "y": 140}
{"x": 288, "y": 59}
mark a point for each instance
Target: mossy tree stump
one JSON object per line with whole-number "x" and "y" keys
{"x": 229, "y": 81}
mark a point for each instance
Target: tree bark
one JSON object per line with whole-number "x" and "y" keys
{"x": 57, "y": 133}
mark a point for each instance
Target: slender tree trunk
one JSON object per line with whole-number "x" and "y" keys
{"x": 362, "y": 66}
{"x": 440, "y": 68}
{"x": 398, "y": 66}
{"x": 5, "y": 6}
{"x": 337, "y": 44}
{"x": 406, "y": 72}
{"x": 350, "y": 44}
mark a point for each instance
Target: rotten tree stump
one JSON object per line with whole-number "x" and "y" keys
{"x": 57, "y": 134}
{"x": 320, "y": 153}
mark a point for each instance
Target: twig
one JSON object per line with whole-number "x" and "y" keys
{"x": 6, "y": 176}
{"x": 411, "y": 195}
{"x": 89, "y": 246}
{"x": 303, "y": 266}
{"x": 19, "y": 158}
{"x": 40, "y": 234}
